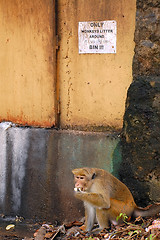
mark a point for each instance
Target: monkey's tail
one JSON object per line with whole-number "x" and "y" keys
{"x": 148, "y": 211}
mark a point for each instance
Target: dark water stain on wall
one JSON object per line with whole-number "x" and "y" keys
{"x": 36, "y": 181}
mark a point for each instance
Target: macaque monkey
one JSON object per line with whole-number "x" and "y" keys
{"x": 105, "y": 197}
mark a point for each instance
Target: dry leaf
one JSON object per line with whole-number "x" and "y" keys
{"x": 10, "y": 226}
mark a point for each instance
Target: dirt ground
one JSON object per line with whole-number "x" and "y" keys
{"x": 140, "y": 229}
{"x": 19, "y": 232}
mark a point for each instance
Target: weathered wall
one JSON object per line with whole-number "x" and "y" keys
{"x": 36, "y": 164}
{"x": 83, "y": 85}
{"x": 141, "y": 136}
{"x": 93, "y": 87}
{"x": 27, "y": 56}
{"x": 35, "y": 169}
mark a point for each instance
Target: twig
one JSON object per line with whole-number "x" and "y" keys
{"x": 58, "y": 230}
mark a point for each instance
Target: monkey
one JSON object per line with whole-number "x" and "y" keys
{"x": 105, "y": 197}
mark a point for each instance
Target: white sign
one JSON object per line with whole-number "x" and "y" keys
{"x": 97, "y": 37}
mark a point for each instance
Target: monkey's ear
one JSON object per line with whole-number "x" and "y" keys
{"x": 93, "y": 176}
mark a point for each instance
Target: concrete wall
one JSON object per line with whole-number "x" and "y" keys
{"x": 34, "y": 80}
{"x": 27, "y": 56}
{"x": 35, "y": 169}
{"x": 93, "y": 87}
{"x": 35, "y": 164}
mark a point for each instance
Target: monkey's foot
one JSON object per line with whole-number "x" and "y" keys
{"x": 83, "y": 227}
{"x": 98, "y": 230}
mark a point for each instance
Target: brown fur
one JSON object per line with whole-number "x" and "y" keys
{"x": 105, "y": 197}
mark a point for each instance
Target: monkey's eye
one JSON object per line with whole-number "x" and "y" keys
{"x": 81, "y": 178}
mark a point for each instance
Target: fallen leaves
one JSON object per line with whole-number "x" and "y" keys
{"x": 140, "y": 229}
{"x": 10, "y": 226}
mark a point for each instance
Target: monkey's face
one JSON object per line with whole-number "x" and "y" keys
{"x": 83, "y": 179}
{"x": 80, "y": 183}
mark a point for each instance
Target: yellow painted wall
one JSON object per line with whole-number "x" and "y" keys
{"x": 27, "y": 62}
{"x": 93, "y": 87}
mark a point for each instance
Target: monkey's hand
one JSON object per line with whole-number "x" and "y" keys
{"x": 95, "y": 199}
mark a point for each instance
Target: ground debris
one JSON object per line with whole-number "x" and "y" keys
{"x": 140, "y": 229}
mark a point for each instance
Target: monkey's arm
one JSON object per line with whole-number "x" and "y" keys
{"x": 95, "y": 199}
